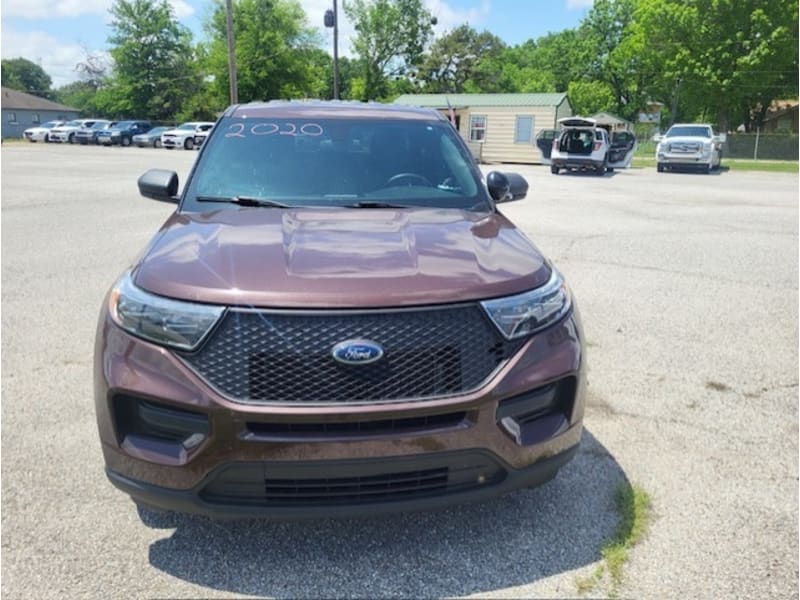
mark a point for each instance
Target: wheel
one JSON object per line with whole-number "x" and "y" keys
{"x": 395, "y": 180}
{"x": 601, "y": 170}
{"x": 157, "y": 143}
{"x": 660, "y": 167}
{"x": 188, "y": 144}
{"x": 609, "y": 169}
{"x": 71, "y": 138}
{"x": 125, "y": 141}
{"x": 554, "y": 169}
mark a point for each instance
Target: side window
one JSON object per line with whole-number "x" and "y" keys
{"x": 477, "y": 128}
{"x": 35, "y": 119}
{"x": 523, "y": 128}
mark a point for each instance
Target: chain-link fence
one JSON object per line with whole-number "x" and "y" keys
{"x": 768, "y": 146}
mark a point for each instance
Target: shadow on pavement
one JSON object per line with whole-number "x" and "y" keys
{"x": 510, "y": 541}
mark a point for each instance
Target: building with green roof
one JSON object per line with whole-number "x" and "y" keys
{"x": 501, "y": 127}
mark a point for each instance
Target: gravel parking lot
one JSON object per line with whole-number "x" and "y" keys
{"x": 688, "y": 288}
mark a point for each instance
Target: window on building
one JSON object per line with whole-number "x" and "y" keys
{"x": 12, "y": 117}
{"x": 35, "y": 119}
{"x": 477, "y": 128}
{"x": 523, "y": 130}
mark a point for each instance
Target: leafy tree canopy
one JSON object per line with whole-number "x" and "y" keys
{"x": 26, "y": 76}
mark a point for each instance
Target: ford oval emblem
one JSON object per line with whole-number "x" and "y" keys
{"x": 357, "y": 352}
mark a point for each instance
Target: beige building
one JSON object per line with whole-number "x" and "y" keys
{"x": 499, "y": 127}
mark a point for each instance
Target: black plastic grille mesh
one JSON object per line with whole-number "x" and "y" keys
{"x": 274, "y": 357}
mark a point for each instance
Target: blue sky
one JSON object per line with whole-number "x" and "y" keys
{"x": 57, "y": 33}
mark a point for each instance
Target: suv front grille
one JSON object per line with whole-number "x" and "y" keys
{"x": 286, "y": 357}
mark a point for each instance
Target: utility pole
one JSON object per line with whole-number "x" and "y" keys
{"x": 335, "y": 51}
{"x": 231, "y": 53}
{"x": 332, "y": 20}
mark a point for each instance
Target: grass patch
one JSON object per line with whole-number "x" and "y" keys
{"x": 632, "y": 504}
{"x": 734, "y": 164}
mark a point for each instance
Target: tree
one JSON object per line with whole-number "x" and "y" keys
{"x": 154, "y": 64}
{"x": 613, "y": 56}
{"x": 455, "y": 59}
{"x": 517, "y": 69}
{"x": 719, "y": 60}
{"x": 78, "y": 94}
{"x": 590, "y": 97}
{"x": 391, "y": 36}
{"x": 26, "y": 76}
{"x": 276, "y": 52}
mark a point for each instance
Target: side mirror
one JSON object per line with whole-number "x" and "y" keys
{"x": 159, "y": 184}
{"x": 657, "y": 137}
{"x": 504, "y": 187}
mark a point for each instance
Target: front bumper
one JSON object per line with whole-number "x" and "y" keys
{"x": 697, "y": 160}
{"x": 424, "y": 486}
{"x": 289, "y": 439}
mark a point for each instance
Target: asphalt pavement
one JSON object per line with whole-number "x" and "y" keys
{"x": 688, "y": 289}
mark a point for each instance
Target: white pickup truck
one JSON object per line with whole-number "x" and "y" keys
{"x": 689, "y": 145}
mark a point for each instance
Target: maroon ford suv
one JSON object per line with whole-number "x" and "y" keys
{"x": 337, "y": 320}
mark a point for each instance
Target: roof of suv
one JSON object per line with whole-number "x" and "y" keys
{"x": 332, "y": 108}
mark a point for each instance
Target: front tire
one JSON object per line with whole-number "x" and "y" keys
{"x": 71, "y": 138}
{"x": 554, "y": 169}
{"x": 660, "y": 167}
{"x": 125, "y": 141}
{"x": 188, "y": 144}
{"x": 157, "y": 144}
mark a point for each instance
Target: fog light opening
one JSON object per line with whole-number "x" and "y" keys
{"x": 539, "y": 414}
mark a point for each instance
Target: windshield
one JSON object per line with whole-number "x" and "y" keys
{"x": 100, "y": 125}
{"x": 337, "y": 162}
{"x": 689, "y": 131}
{"x": 188, "y": 126}
{"x": 72, "y": 124}
{"x": 49, "y": 124}
{"x": 123, "y": 125}
{"x": 157, "y": 130}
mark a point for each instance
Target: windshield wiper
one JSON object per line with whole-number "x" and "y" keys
{"x": 244, "y": 201}
{"x": 373, "y": 204}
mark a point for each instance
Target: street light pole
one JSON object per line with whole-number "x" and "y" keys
{"x": 332, "y": 20}
{"x": 231, "y": 53}
{"x": 335, "y": 51}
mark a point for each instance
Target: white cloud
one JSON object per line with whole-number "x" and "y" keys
{"x": 39, "y": 9}
{"x": 43, "y": 9}
{"x": 181, "y": 9}
{"x": 57, "y": 58}
{"x": 579, "y": 4}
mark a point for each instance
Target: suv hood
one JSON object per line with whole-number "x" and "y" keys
{"x": 320, "y": 258}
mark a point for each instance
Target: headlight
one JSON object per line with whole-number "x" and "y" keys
{"x": 526, "y": 313}
{"x": 173, "y": 323}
